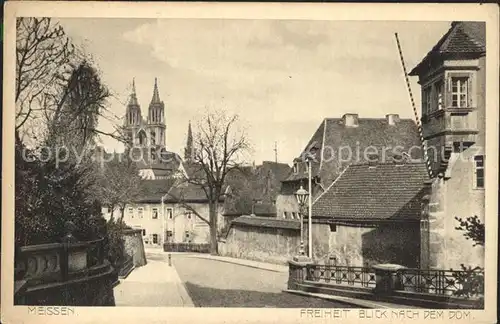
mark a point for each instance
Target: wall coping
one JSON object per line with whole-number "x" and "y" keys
{"x": 132, "y": 230}
{"x": 388, "y": 267}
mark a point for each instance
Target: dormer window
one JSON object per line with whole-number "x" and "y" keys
{"x": 295, "y": 168}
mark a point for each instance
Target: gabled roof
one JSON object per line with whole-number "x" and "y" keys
{"x": 466, "y": 38}
{"x": 384, "y": 192}
{"x": 335, "y": 139}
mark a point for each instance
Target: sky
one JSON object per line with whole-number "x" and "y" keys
{"x": 282, "y": 77}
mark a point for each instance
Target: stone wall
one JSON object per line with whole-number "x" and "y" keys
{"x": 274, "y": 245}
{"x": 397, "y": 243}
{"x": 98, "y": 292}
{"x": 134, "y": 246}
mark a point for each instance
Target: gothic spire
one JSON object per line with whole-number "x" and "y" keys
{"x": 189, "y": 150}
{"x": 156, "y": 95}
{"x": 133, "y": 96}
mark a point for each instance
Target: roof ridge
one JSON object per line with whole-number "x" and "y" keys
{"x": 334, "y": 181}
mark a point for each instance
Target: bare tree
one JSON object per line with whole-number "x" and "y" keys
{"x": 58, "y": 88}
{"x": 119, "y": 183}
{"x": 220, "y": 146}
{"x": 43, "y": 56}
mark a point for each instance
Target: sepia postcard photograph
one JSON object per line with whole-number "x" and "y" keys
{"x": 222, "y": 162}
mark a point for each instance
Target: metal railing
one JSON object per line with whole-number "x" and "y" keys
{"x": 442, "y": 282}
{"x": 342, "y": 275}
{"x": 186, "y": 247}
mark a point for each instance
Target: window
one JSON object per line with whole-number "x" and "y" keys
{"x": 155, "y": 238}
{"x": 439, "y": 94}
{"x": 169, "y": 213}
{"x": 426, "y": 101}
{"x": 333, "y": 228}
{"x": 131, "y": 212}
{"x": 140, "y": 211}
{"x": 105, "y": 210}
{"x": 295, "y": 168}
{"x": 169, "y": 234}
{"x": 459, "y": 92}
{"x": 155, "y": 213}
{"x": 188, "y": 215}
{"x": 479, "y": 171}
{"x": 285, "y": 215}
{"x": 153, "y": 138}
{"x": 153, "y": 154}
{"x": 143, "y": 232}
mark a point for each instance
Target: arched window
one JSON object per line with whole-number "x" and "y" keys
{"x": 142, "y": 138}
{"x": 153, "y": 138}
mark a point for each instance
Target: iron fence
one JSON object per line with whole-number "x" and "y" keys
{"x": 442, "y": 282}
{"x": 352, "y": 276}
{"x": 187, "y": 247}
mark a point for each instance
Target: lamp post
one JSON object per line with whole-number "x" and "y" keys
{"x": 301, "y": 196}
{"x": 163, "y": 220}
{"x": 309, "y": 160}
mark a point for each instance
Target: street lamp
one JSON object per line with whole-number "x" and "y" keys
{"x": 309, "y": 159}
{"x": 301, "y": 196}
{"x": 163, "y": 220}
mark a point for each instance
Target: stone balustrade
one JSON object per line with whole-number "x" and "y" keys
{"x": 55, "y": 273}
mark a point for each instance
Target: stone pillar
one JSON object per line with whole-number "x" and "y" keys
{"x": 437, "y": 230}
{"x": 297, "y": 271}
{"x": 387, "y": 279}
{"x": 424, "y": 227}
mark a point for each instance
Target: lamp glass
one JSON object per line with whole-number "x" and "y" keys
{"x": 301, "y": 196}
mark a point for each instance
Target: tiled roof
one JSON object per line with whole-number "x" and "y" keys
{"x": 463, "y": 37}
{"x": 337, "y": 140}
{"x": 249, "y": 184}
{"x": 384, "y": 192}
{"x": 153, "y": 190}
{"x": 256, "y": 221}
{"x": 264, "y": 209}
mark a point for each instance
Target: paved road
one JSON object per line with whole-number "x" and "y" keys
{"x": 213, "y": 283}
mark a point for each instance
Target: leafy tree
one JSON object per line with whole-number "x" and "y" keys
{"x": 471, "y": 279}
{"x": 473, "y": 228}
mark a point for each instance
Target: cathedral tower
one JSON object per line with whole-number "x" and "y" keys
{"x": 133, "y": 117}
{"x": 156, "y": 119}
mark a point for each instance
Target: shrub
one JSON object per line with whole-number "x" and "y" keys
{"x": 47, "y": 195}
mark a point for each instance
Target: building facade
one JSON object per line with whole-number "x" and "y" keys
{"x": 452, "y": 79}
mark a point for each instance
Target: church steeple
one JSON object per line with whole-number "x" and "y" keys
{"x": 133, "y": 111}
{"x": 156, "y": 118}
{"x": 133, "y": 96}
{"x": 189, "y": 149}
{"x": 156, "y": 94}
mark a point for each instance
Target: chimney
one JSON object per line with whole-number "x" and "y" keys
{"x": 350, "y": 120}
{"x": 392, "y": 119}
